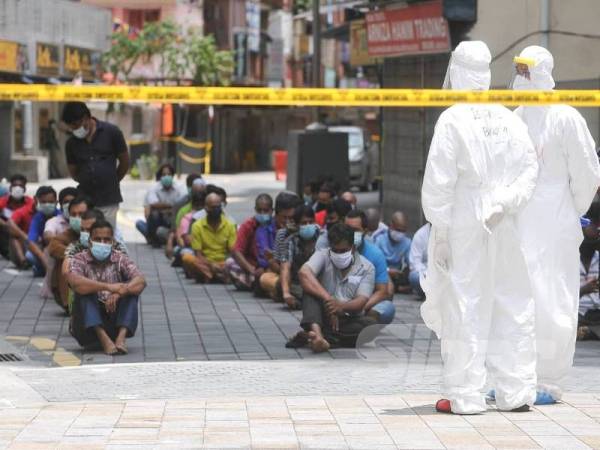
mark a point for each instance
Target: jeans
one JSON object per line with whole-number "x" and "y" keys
{"x": 149, "y": 227}
{"x": 38, "y": 268}
{"x": 415, "y": 283}
{"x": 89, "y": 313}
{"x": 386, "y": 311}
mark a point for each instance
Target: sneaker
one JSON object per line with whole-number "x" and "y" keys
{"x": 543, "y": 398}
{"x": 443, "y": 406}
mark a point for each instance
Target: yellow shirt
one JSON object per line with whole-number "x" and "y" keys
{"x": 213, "y": 244}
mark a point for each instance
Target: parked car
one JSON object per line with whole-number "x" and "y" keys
{"x": 360, "y": 173}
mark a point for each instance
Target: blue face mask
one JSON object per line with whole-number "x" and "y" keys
{"x": 75, "y": 224}
{"x": 308, "y": 232}
{"x": 48, "y": 209}
{"x": 65, "y": 210}
{"x": 101, "y": 251}
{"x": 263, "y": 219}
{"x": 358, "y": 238}
{"x": 84, "y": 238}
{"x": 166, "y": 181}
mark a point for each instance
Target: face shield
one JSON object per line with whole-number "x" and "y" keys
{"x": 520, "y": 79}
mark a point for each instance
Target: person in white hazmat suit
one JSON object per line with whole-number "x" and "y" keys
{"x": 480, "y": 172}
{"x": 568, "y": 180}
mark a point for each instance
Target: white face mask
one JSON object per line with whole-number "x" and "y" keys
{"x": 80, "y": 133}
{"x": 341, "y": 260}
{"x": 17, "y": 192}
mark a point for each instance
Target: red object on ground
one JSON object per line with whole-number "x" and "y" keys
{"x": 443, "y": 406}
{"x": 280, "y": 164}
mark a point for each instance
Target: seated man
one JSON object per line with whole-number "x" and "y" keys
{"x": 395, "y": 246}
{"x": 11, "y": 230}
{"x": 158, "y": 207}
{"x": 60, "y": 223}
{"x": 266, "y": 235}
{"x": 337, "y": 284}
{"x": 107, "y": 285}
{"x": 375, "y": 226}
{"x": 243, "y": 266}
{"x": 58, "y": 246}
{"x": 183, "y": 238}
{"x": 418, "y": 259}
{"x": 213, "y": 238}
{"x": 301, "y": 246}
{"x": 379, "y": 306}
{"x": 45, "y": 199}
{"x": 10, "y": 203}
{"x": 336, "y": 213}
{"x": 589, "y": 300}
{"x": 325, "y": 197}
{"x": 194, "y": 183}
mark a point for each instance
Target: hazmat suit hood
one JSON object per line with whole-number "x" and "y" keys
{"x": 540, "y": 63}
{"x": 469, "y": 67}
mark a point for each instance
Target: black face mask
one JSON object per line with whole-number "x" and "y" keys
{"x": 320, "y": 207}
{"x": 214, "y": 214}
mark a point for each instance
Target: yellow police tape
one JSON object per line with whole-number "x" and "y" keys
{"x": 292, "y": 96}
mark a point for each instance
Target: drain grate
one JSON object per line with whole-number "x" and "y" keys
{"x": 9, "y": 357}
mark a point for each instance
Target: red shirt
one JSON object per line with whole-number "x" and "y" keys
{"x": 6, "y": 201}
{"x": 22, "y": 216}
{"x": 245, "y": 243}
{"x": 320, "y": 217}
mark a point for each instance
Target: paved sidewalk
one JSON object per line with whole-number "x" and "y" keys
{"x": 319, "y": 421}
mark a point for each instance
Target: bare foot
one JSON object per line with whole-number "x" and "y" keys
{"x": 110, "y": 350}
{"x": 318, "y": 344}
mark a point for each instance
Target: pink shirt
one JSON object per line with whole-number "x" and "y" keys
{"x": 56, "y": 225}
{"x": 184, "y": 225}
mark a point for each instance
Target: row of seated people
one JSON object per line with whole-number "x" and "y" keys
{"x": 266, "y": 253}
{"x": 86, "y": 269}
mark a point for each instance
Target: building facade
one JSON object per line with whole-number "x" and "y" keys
{"x": 54, "y": 41}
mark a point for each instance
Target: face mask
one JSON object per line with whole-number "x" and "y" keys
{"x": 308, "y": 232}
{"x": 47, "y": 209}
{"x": 214, "y": 214}
{"x": 101, "y": 251}
{"x": 522, "y": 84}
{"x": 358, "y": 238}
{"x": 166, "y": 181}
{"x": 65, "y": 210}
{"x": 17, "y": 192}
{"x": 308, "y": 199}
{"x": 263, "y": 219}
{"x": 75, "y": 224}
{"x": 396, "y": 236}
{"x": 84, "y": 238}
{"x": 341, "y": 260}
{"x": 80, "y": 133}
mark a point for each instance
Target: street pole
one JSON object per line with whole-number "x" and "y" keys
{"x": 316, "y": 45}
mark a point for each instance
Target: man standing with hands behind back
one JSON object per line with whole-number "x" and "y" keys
{"x": 93, "y": 151}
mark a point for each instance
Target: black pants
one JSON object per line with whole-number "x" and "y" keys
{"x": 313, "y": 312}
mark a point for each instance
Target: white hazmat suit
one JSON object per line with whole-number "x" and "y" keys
{"x": 480, "y": 172}
{"x": 568, "y": 180}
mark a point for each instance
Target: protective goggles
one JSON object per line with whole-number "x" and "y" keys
{"x": 521, "y": 68}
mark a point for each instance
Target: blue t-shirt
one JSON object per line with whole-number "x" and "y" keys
{"x": 38, "y": 222}
{"x": 375, "y": 257}
{"x": 395, "y": 253}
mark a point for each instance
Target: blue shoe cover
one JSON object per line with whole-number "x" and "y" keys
{"x": 491, "y": 395}
{"x": 543, "y": 398}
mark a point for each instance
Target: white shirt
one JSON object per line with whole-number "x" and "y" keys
{"x": 418, "y": 250}
{"x": 589, "y": 301}
{"x": 158, "y": 194}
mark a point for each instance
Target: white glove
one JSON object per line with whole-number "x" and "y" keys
{"x": 493, "y": 217}
{"x": 441, "y": 252}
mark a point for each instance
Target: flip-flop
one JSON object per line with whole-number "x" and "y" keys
{"x": 112, "y": 353}
{"x": 122, "y": 350}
